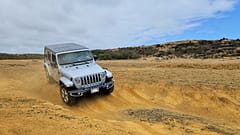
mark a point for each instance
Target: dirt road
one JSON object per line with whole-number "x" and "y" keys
{"x": 151, "y": 97}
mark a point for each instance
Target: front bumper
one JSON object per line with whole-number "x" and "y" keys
{"x": 82, "y": 91}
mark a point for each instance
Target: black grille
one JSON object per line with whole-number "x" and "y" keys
{"x": 92, "y": 79}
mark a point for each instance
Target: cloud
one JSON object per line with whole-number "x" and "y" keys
{"x": 26, "y": 26}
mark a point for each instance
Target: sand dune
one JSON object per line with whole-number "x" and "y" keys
{"x": 151, "y": 97}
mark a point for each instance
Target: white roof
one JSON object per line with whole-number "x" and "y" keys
{"x": 56, "y": 48}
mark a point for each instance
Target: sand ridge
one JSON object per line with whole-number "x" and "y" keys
{"x": 151, "y": 97}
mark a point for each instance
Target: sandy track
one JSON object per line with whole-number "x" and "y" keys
{"x": 203, "y": 94}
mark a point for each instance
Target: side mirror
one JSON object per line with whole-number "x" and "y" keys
{"x": 95, "y": 57}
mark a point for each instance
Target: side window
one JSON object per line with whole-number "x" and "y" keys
{"x": 54, "y": 59}
{"x": 54, "y": 62}
{"x": 49, "y": 55}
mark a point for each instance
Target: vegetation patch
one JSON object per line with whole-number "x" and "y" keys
{"x": 4, "y": 56}
{"x": 200, "y": 49}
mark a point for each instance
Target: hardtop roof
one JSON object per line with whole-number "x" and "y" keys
{"x": 63, "y": 47}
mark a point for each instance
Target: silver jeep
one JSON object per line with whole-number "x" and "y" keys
{"x": 74, "y": 68}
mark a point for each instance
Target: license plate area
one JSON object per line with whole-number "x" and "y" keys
{"x": 94, "y": 90}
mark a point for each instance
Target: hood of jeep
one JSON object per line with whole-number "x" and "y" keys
{"x": 81, "y": 70}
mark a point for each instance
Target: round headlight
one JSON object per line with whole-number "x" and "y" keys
{"x": 77, "y": 81}
{"x": 102, "y": 75}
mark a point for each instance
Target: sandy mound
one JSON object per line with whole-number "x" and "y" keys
{"x": 151, "y": 97}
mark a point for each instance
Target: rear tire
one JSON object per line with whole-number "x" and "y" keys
{"x": 67, "y": 99}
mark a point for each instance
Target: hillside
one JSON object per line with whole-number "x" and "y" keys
{"x": 4, "y": 56}
{"x": 202, "y": 49}
{"x": 179, "y": 49}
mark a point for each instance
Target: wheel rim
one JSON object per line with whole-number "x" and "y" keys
{"x": 64, "y": 95}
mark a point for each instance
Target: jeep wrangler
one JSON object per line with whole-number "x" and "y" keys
{"x": 74, "y": 68}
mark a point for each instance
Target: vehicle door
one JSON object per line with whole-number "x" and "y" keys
{"x": 47, "y": 61}
{"x": 54, "y": 67}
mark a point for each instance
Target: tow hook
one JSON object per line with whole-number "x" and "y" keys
{"x": 80, "y": 93}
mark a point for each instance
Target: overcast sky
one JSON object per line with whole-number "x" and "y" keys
{"x": 27, "y": 25}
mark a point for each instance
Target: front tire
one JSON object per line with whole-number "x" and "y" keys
{"x": 67, "y": 99}
{"x": 108, "y": 91}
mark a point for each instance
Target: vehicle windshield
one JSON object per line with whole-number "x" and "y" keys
{"x": 74, "y": 57}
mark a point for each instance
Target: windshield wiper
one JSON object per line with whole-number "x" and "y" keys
{"x": 81, "y": 62}
{"x": 78, "y": 62}
{"x": 65, "y": 64}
